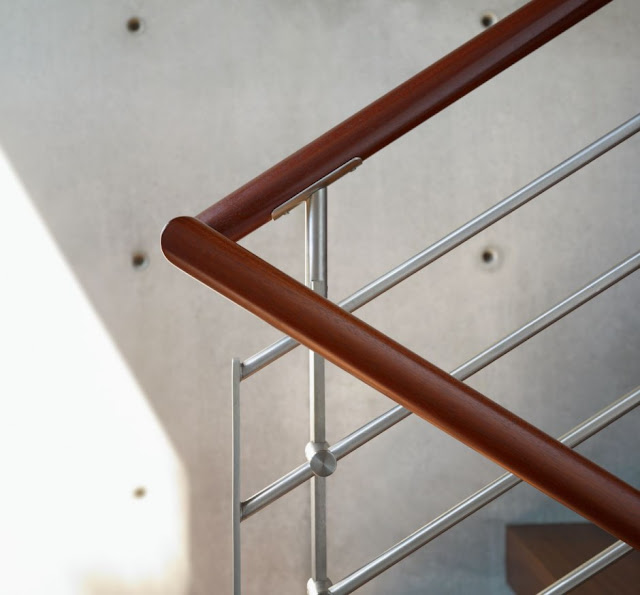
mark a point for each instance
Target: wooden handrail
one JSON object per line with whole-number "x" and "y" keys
{"x": 404, "y": 376}
{"x": 397, "y": 112}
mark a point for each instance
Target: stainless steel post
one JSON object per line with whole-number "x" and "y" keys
{"x": 317, "y": 449}
{"x": 236, "y": 500}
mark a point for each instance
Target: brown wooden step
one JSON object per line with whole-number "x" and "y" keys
{"x": 538, "y": 555}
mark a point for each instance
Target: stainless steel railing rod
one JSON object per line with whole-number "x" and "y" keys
{"x": 379, "y": 286}
{"x": 276, "y": 490}
{"x": 388, "y": 419}
{"x": 236, "y": 501}
{"x": 316, "y": 278}
{"x": 478, "y": 500}
{"x": 588, "y": 569}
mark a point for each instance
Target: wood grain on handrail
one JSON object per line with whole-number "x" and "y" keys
{"x": 397, "y": 112}
{"x": 404, "y": 376}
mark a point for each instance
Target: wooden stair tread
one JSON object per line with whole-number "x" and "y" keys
{"x": 538, "y": 555}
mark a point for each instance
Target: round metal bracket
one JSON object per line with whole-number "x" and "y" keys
{"x": 322, "y": 461}
{"x": 318, "y": 587}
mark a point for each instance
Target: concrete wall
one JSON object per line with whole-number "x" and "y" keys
{"x": 114, "y": 132}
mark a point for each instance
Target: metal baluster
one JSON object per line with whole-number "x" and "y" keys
{"x": 321, "y": 460}
{"x": 236, "y": 500}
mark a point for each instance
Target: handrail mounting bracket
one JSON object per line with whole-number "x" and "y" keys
{"x": 330, "y": 178}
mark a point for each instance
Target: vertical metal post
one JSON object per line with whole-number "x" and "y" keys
{"x": 316, "y": 279}
{"x": 236, "y": 502}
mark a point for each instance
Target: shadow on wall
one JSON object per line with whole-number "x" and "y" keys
{"x": 94, "y": 498}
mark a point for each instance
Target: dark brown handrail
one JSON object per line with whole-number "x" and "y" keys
{"x": 404, "y": 376}
{"x": 397, "y": 112}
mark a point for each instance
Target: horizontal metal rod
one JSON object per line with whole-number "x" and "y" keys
{"x": 276, "y": 490}
{"x": 385, "y": 421}
{"x": 588, "y": 569}
{"x": 379, "y": 286}
{"x": 478, "y": 500}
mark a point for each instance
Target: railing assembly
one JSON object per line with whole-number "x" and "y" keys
{"x": 205, "y": 248}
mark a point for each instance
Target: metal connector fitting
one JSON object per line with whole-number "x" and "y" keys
{"x": 318, "y": 587}
{"x": 323, "y": 182}
{"x": 322, "y": 461}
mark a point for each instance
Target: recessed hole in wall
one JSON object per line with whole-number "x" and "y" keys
{"x": 134, "y": 24}
{"x": 489, "y": 256}
{"x": 140, "y": 492}
{"x": 487, "y": 19}
{"x": 139, "y": 260}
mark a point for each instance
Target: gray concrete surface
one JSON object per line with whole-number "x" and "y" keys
{"x": 113, "y": 133}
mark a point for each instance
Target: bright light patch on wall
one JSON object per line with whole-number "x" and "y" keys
{"x": 92, "y": 499}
